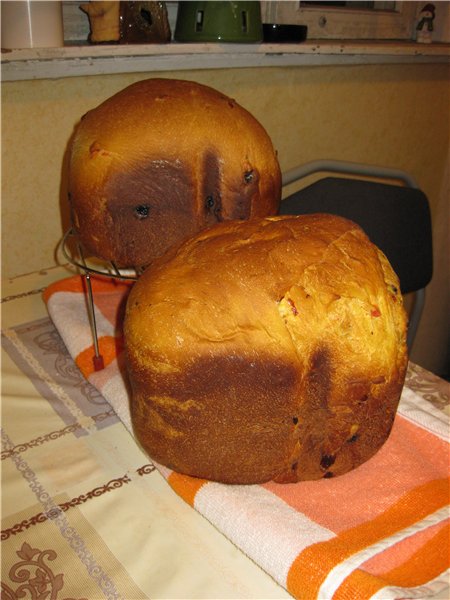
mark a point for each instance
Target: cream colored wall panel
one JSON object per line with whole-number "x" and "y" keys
{"x": 432, "y": 345}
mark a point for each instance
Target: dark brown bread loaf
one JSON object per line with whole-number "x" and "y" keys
{"x": 161, "y": 160}
{"x": 272, "y": 349}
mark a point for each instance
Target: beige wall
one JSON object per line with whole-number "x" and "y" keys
{"x": 395, "y": 115}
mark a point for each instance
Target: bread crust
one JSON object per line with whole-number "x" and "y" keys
{"x": 273, "y": 349}
{"x": 161, "y": 160}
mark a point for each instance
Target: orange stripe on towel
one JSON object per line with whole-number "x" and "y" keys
{"x": 185, "y": 486}
{"x": 360, "y": 585}
{"x": 70, "y": 284}
{"x": 304, "y": 581}
{"x": 422, "y": 566}
{"x": 109, "y": 347}
{"x": 425, "y": 564}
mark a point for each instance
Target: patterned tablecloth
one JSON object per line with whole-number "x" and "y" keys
{"x": 85, "y": 514}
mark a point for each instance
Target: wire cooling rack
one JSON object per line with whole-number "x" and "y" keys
{"x": 73, "y": 251}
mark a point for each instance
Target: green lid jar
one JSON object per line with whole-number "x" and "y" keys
{"x": 237, "y": 22}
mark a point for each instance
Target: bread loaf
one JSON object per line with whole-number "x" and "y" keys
{"x": 161, "y": 160}
{"x": 272, "y": 349}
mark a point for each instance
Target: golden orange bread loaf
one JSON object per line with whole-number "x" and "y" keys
{"x": 273, "y": 349}
{"x": 161, "y": 160}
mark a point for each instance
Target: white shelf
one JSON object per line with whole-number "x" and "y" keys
{"x": 74, "y": 61}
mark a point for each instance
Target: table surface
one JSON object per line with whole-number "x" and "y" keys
{"x": 84, "y": 514}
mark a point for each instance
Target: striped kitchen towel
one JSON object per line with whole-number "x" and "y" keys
{"x": 380, "y": 531}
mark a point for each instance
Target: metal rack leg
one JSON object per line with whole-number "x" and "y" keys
{"x": 99, "y": 363}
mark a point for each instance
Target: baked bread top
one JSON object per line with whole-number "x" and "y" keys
{"x": 161, "y": 160}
